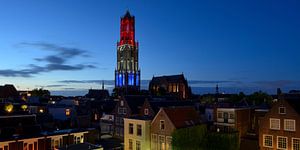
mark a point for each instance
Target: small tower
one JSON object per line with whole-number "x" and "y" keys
{"x": 127, "y": 73}
{"x": 102, "y": 84}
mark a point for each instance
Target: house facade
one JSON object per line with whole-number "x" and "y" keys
{"x": 280, "y": 127}
{"x": 166, "y": 121}
{"x": 126, "y": 107}
{"x": 137, "y": 133}
{"x": 233, "y": 119}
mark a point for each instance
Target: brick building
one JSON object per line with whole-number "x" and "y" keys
{"x": 280, "y": 127}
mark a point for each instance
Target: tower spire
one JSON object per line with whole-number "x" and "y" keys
{"x": 102, "y": 84}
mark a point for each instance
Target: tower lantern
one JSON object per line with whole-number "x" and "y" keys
{"x": 127, "y": 73}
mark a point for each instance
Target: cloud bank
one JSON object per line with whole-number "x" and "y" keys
{"x": 58, "y": 61}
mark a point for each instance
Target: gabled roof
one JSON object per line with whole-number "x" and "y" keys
{"x": 182, "y": 117}
{"x": 8, "y": 90}
{"x": 171, "y": 78}
{"x": 293, "y": 100}
{"x": 135, "y": 102}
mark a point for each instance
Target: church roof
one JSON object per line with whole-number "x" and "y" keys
{"x": 170, "y": 79}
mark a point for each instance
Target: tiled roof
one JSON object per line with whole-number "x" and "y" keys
{"x": 293, "y": 100}
{"x": 171, "y": 78}
{"x": 182, "y": 116}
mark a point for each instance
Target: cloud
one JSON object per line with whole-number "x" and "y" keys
{"x": 61, "y": 50}
{"x": 211, "y": 81}
{"x": 106, "y": 82}
{"x": 54, "y": 62}
{"x": 54, "y": 85}
{"x": 277, "y": 83}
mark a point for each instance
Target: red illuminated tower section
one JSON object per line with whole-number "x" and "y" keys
{"x": 127, "y": 73}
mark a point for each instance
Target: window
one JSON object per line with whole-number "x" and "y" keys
{"x": 231, "y": 116}
{"x": 295, "y": 144}
{"x": 161, "y": 144}
{"x": 122, "y": 103}
{"x": 162, "y": 124}
{"x": 122, "y": 110}
{"x": 282, "y": 110}
{"x": 281, "y": 142}
{"x": 146, "y": 111}
{"x": 168, "y": 143}
{"x": 274, "y": 124}
{"x": 139, "y": 130}
{"x": 130, "y": 128}
{"x": 153, "y": 142}
{"x": 220, "y": 115}
{"x": 138, "y": 145}
{"x": 268, "y": 141}
{"x": 289, "y": 125}
{"x": 130, "y": 144}
{"x": 68, "y": 112}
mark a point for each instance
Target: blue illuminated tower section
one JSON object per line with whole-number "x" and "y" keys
{"x": 127, "y": 73}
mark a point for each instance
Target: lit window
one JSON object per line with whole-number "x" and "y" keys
{"x": 153, "y": 142}
{"x": 282, "y": 110}
{"x": 296, "y": 143}
{"x": 161, "y": 144}
{"x": 68, "y": 112}
{"x": 138, "y": 145}
{"x": 146, "y": 111}
{"x": 268, "y": 140}
{"x": 139, "y": 130}
{"x": 274, "y": 124}
{"x": 220, "y": 115}
{"x": 281, "y": 142}
{"x": 24, "y": 107}
{"x": 130, "y": 128}
{"x": 9, "y": 107}
{"x": 168, "y": 143}
{"x": 162, "y": 125}
{"x": 289, "y": 125}
{"x": 130, "y": 144}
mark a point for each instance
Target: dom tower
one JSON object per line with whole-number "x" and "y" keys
{"x": 127, "y": 73}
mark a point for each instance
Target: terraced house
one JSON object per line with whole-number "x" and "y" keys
{"x": 280, "y": 127}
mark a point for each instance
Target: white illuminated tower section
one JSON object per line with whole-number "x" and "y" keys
{"x": 127, "y": 73}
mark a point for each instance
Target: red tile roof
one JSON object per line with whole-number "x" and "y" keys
{"x": 182, "y": 116}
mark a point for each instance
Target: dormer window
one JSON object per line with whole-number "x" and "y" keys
{"x": 282, "y": 110}
{"x": 146, "y": 111}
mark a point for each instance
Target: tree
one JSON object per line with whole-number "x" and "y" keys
{"x": 259, "y": 97}
{"x": 192, "y": 138}
{"x": 42, "y": 94}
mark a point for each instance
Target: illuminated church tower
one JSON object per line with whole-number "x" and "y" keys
{"x": 127, "y": 73}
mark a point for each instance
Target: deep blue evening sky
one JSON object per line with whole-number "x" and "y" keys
{"x": 238, "y": 44}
